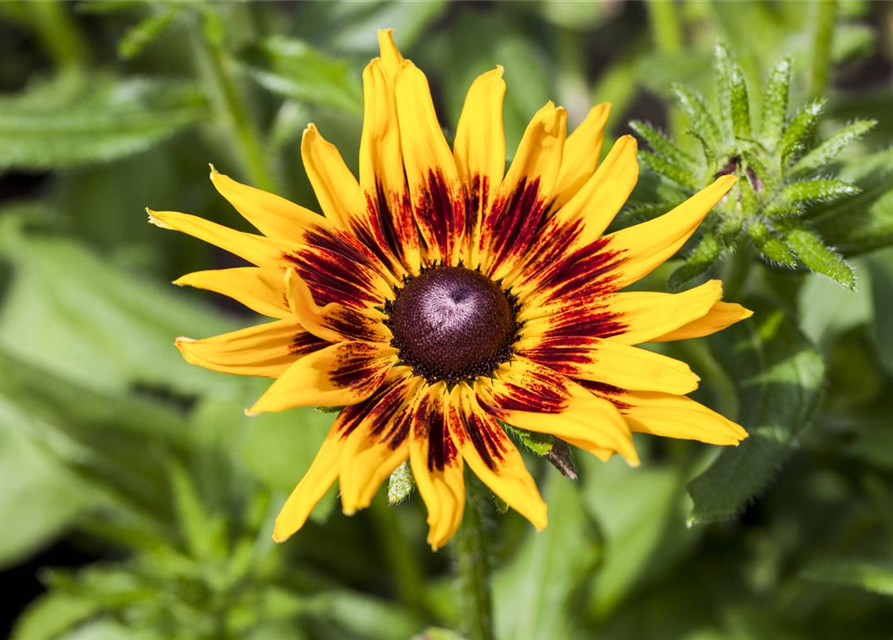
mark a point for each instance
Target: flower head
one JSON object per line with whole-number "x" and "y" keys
{"x": 442, "y": 296}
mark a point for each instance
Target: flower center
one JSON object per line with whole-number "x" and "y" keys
{"x": 452, "y": 324}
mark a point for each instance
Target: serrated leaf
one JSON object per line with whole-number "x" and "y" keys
{"x": 828, "y": 150}
{"x": 771, "y": 246}
{"x": 202, "y": 531}
{"x": 146, "y": 31}
{"x": 538, "y": 443}
{"x": 800, "y": 127}
{"x": 874, "y": 576}
{"x": 701, "y": 121}
{"x": 77, "y": 120}
{"x": 778, "y": 374}
{"x": 817, "y": 191}
{"x": 294, "y": 69}
{"x": 702, "y": 257}
{"x": 733, "y": 104}
{"x": 813, "y": 253}
{"x": 678, "y": 173}
{"x": 775, "y": 102}
{"x": 661, "y": 144}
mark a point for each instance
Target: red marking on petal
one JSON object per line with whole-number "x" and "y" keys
{"x": 430, "y": 422}
{"x": 440, "y": 214}
{"x": 487, "y": 437}
{"x": 304, "y": 343}
{"x": 542, "y": 391}
{"x": 359, "y": 366}
{"x": 513, "y": 222}
{"x": 384, "y": 410}
{"x": 606, "y": 391}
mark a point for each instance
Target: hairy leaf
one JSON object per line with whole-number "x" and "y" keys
{"x": 702, "y": 257}
{"x": 813, "y": 253}
{"x": 701, "y": 121}
{"x": 775, "y": 102}
{"x": 778, "y": 374}
{"x": 75, "y": 120}
{"x": 828, "y": 150}
{"x": 817, "y": 191}
{"x": 294, "y": 69}
{"x": 800, "y": 127}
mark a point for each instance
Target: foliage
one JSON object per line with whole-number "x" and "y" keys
{"x": 138, "y": 498}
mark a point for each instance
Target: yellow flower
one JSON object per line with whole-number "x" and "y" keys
{"x": 442, "y": 295}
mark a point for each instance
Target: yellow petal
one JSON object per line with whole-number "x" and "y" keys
{"x": 720, "y": 316}
{"x": 511, "y": 224}
{"x": 260, "y": 290}
{"x": 437, "y": 198}
{"x": 479, "y": 151}
{"x": 336, "y": 188}
{"x": 436, "y": 466}
{"x": 647, "y": 316}
{"x": 333, "y": 322}
{"x": 378, "y": 440}
{"x": 492, "y": 457}
{"x": 526, "y": 395}
{"x": 674, "y": 416}
{"x": 646, "y": 246}
{"x": 382, "y": 177}
{"x": 266, "y": 350}
{"x": 390, "y": 54}
{"x": 581, "y": 155}
{"x": 312, "y": 487}
{"x": 338, "y": 375}
{"x": 258, "y": 250}
{"x": 272, "y": 215}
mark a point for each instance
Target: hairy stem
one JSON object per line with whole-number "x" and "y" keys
{"x": 229, "y": 99}
{"x": 471, "y": 550}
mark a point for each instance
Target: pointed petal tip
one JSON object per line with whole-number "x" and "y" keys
{"x": 251, "y": 412}
{"x": 154, "y": 219}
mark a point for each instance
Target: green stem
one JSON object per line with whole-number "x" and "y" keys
{"x": 59, "y": 33}
{"x": 471, "y": 550}
{"x": 820, "y": 62}
{"x": 233, "y": 108}
{"x": 665, "y": 28}
{"x": 666, "y": 31}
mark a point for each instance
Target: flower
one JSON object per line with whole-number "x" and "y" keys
{"x": 442, "y": 296}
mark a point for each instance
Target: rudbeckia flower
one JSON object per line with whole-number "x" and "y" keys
{"x": 441, "y": 297}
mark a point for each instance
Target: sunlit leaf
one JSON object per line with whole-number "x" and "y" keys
{"x": 74, "y": 120}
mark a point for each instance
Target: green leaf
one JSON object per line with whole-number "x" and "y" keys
{"x": 75, "y": 120}
{"x": 38, "y": 496}
{"x": 676, "y": 172}
{"x": 778, "y": 374}
{"x": 771, "y": 246}
{"x": 775, "y": 102}
{"x": 115, "y": 442}
{"x": 817, "y": 191}
{"x": 532, "y": 594}
{"x": 828, "y": 150}
{"x": 146, "y": 31}
{"x": 702, "y": 257}
{"x": 53, "y": 614}
{"x": 813, "y": 253}
{"x": 202, "y": 531}
{"x": 294, "y": 69}
{"x": 538, "y": 443}
{"x": 661, "y": 144}
{"x": 701, "y": 121}
{"x": 800, "y": 127}
{"x": 98, "y": 324}
{"x": 732, "y": 101}
{"x": 874, "y": 576}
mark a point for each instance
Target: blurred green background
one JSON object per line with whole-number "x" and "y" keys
{"x": 136, "y": 499}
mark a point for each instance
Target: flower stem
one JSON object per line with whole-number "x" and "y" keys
{"x": 58, "y": 33}
{"x": 233, "y": 109}
{"x": 471, "y": 550}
